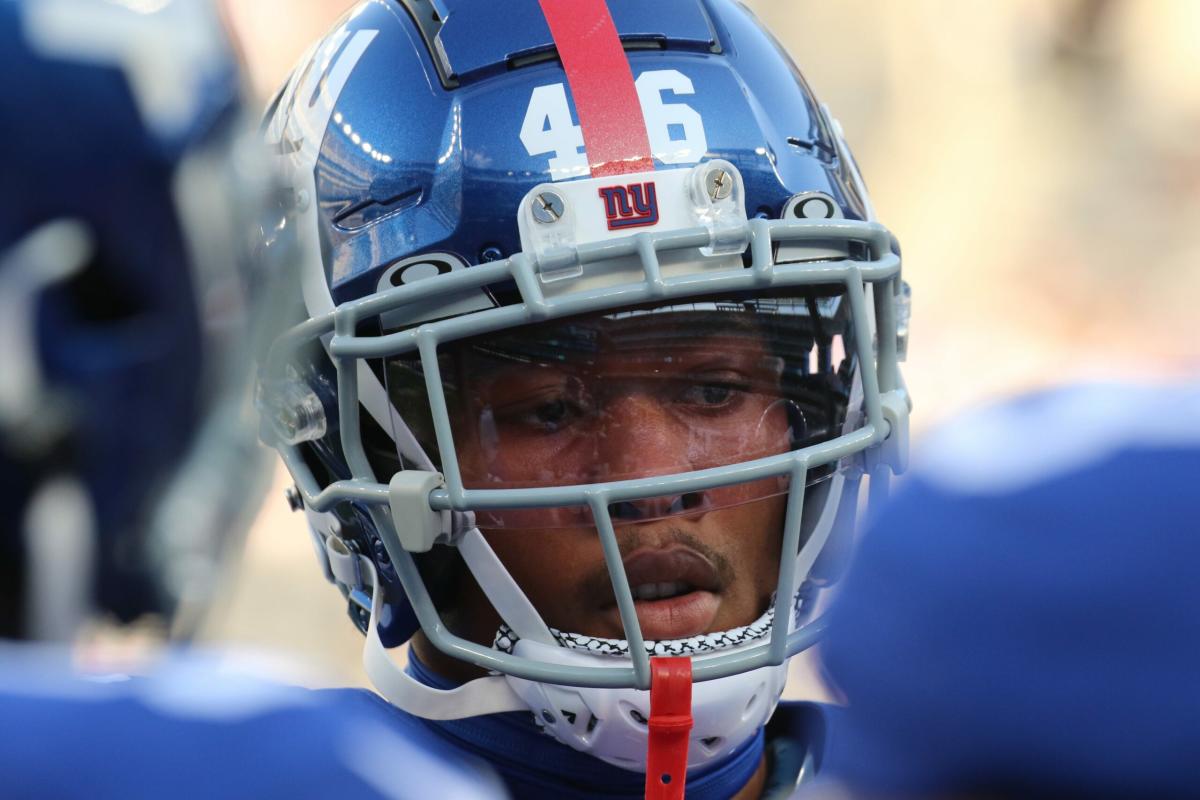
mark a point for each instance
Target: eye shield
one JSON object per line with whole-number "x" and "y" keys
{"x": 633, "y": 393}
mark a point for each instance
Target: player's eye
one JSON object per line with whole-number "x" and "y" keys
{"x": 548, "y": 410}
{"x": 552, "y": 415}
{"x": 712, "y": 394}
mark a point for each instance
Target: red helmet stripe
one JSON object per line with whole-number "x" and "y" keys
{"x": 614, "y": 131}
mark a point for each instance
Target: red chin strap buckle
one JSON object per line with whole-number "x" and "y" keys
{"x": 670, "y": 723}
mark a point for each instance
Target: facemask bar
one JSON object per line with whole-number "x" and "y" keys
{"x": 881, "y": 392}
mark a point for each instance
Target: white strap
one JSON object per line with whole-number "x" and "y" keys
{"x": 503, "y": 592}
{"x": 343, "y": 564}
{"x": 490, "y": 695}
{"x": 318, "y": 543}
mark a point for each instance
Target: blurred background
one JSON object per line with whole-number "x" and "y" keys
{"x": 1039, "y": 162}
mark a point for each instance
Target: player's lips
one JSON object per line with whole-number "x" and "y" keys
{"x": 676, "y": 592}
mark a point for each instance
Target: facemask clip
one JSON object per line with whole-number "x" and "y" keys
{"x": 418, "y": 525}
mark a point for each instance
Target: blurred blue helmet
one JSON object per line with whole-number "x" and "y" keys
{"x": 133, "y": 198}
{"x": 594, "y": 192}
{"x": 1021, "y": 621}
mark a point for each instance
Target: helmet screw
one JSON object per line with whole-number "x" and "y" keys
{"x": 294, "y": 500}
{"x": 719, "y": 184}
{"x": 381, "y": 554}
{"x": 490, "y": 254}
{"x": 548, "y": 207}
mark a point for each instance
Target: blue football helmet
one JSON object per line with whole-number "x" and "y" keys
{"x": 585, "y": 270}
{"x": 974, "y": 634}
{"x": 135, "y": 190}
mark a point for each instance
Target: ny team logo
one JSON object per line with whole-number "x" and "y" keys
{"x": 632, "y": 206}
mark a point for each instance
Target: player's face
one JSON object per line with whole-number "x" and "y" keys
{"x": 631, "y": 399}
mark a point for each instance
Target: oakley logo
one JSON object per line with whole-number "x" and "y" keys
{"x": 630, "y": 206}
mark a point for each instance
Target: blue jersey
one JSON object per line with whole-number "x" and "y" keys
{"x": 191, "y": 731}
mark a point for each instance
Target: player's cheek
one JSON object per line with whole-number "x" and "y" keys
{"x": 547, "y": 564}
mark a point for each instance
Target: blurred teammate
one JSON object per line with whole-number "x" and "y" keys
{"x": 1022, "y": 621}
{"x": 599, "y": 338}
{"x": 134, "y": 194}
{"x": 132, "y": 198}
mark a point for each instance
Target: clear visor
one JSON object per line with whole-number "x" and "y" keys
{"x": 637, "y": 393}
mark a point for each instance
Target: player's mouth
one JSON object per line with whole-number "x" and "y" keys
{"x": 676, "y": 592}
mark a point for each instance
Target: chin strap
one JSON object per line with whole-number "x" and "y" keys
{"x": 503, "y": 592}
{"x": 490, "y": 695}
{"x": 670, "y": 723}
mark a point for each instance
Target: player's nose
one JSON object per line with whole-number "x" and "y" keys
{"x": 640, "y": 438}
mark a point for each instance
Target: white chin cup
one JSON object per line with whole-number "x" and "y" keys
{"x": 610, "y": 724}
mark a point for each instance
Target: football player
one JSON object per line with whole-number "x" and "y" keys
{"x": 134, "y": 196}
{"x": 1021, "y": 621}
{"x": 601, "y": 339}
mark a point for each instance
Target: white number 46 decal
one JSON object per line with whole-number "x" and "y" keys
{"x": 675, "y": 130}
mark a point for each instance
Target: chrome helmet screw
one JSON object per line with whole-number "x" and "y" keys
{"x": 719, "y": 184}
{"x": 548, "y": 207}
